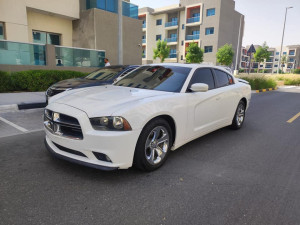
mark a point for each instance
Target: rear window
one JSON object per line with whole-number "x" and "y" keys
{"x": 222, "y": 78}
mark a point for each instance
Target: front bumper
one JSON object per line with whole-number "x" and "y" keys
{"x": 119, "y": 146}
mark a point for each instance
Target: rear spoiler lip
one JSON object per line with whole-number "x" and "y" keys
{"x": 243, "y": 81}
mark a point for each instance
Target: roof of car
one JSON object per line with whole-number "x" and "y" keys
{"x": 192, "y": 66}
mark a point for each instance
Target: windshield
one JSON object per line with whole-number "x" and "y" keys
{"x": 169, "y": 78}
{"x": 104, "y": 74}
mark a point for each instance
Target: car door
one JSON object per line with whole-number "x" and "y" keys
{"x": 228, "y": 98}
{"x": 203, "y": 108}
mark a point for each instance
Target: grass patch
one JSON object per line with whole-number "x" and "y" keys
{"x": 289, "y": 81}
{"x": 260, "y": 82}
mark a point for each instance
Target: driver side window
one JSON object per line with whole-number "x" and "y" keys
{"x": 203, "y": 76}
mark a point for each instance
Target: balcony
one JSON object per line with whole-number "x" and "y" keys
{"x": 268, "y": 66}
{"x": 193, "y": 19}
{"x": 173, "y": 39}
{"x": 15, "y": 53}
{"x": 171, "y": 24}
{"x": 173, "y": 56}
{"x": 193, "y": 37}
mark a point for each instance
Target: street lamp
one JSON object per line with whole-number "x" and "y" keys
{"x": 279, "y": 61}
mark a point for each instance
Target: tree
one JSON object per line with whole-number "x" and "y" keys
{"x": 162, "y": 50}
{"x": 283, "y": 61}
{"x": 262, "y": 54}
{"x": 225, "y": 55}
{"x": 194, "y": 53}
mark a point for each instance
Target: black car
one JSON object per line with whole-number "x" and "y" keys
{"x": 103, "y": 76}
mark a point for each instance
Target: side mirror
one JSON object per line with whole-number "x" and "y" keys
{"x": 199, "y": 87}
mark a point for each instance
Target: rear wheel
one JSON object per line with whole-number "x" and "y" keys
{"x": 239, "y": 116}
{"x": 153, "y": 145}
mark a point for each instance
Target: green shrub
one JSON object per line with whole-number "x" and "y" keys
{"x": 241, "y": 70}
{"x": 289, "y": 81}
{"x": 280, "y": 78}
{"x": 260, "y": 82}
{"x": 297, "y": 71}
{"x": 34, "y": 80}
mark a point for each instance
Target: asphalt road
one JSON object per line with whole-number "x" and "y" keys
{"x": 250, "y": 176}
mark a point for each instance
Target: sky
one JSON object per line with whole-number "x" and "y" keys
{"x": 264, "y": 19}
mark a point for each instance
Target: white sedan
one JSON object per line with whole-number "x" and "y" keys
{"x": 141, "y": 118}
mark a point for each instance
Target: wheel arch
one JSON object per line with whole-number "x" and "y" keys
{"x": 245, "y": 101}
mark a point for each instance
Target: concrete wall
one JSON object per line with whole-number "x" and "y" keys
{"x": 14, "y": 14}
{"x": 99, "y": 29}
{"x": 50, "y": 23}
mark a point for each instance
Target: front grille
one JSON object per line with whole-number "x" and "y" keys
{"x": 51, "y": 92}
{"x": 62, "y": 125}
{"x": 71, "y": 151}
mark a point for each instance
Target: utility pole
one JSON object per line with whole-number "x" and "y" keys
{"x": 279, "y": 61}
{"x": 120, "y": 21}
{"x": 238, "y": 48}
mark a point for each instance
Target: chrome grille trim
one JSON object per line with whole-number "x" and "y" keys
{"x": 62, "y": 125}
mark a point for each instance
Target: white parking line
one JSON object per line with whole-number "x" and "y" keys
{"x": 13, "y": 125}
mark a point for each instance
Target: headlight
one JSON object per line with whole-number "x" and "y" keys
{"x": 110, "y": 123}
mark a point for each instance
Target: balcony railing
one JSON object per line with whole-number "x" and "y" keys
{"x": 80, "y": 57}
{"x": 144, "y": 41}
{"x": 171, "y": 24}
{"x": 173, "y": 56}
{"x": 144, "y": 25}
{"x": 193, "y": 37}
{"x": 15, "y": 53}
{"x": 173, "y": 39}
{"x": 193, "y": 19}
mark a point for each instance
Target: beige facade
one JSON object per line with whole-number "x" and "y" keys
{"x": 194, "y": 21}
{"x": 290, "y": 59}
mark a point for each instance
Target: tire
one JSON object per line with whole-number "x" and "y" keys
{"x": 149, "y": 153}
{"x": 239, "y": 116}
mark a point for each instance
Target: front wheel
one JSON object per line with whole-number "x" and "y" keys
{"x": 153, "y": 145}
{"x": 239, "y": 116}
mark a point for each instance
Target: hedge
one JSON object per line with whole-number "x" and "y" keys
{"x": 34, "y": 80}
{"x": 297, "y": 71}
{"x": 289, "y": 81}
{"x": 260, "y": 82}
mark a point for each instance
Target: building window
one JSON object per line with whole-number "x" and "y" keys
{"x": 46, "y": 38}
{"x": 292, "y": 52}
{"x": 211, "y": 12}
{"x": 196, "y": 15}
{"x": 276, "y": 65}
{"x": 181, "y": 57}
{"x": 276, "y": 60}
{"x": 284, "y": 53}
{"x": 182, "y": 26}
{"x": 159, "y": 22}
{"x": 209, "y": 31}
{"x": 261, "y": 65}
{"x": 1, "y": 31}
{"x": 208, "y": 49}
{"x": 277, "y": 53}
{"x": 182, "y": 43}
{"x": 158, "y": 37}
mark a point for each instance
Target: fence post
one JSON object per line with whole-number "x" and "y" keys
{"x": 50, "y": 55}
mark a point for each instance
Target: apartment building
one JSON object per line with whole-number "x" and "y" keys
{"x": 209, "y": 23}
{"x": 76, "y": 32}
{"x": 290, "y": 59}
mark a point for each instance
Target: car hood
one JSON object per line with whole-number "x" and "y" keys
{"x": 105, "y": 100}
{"x": 75, "y": 83}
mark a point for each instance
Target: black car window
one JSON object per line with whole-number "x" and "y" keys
{"x": 203, "y": 75}
{"x": 104, "y": 74}
{"x": 222, "y": 78}
{"x": 161, "y": 78}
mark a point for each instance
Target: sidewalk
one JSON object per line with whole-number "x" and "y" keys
{"x": 22, "y": 100}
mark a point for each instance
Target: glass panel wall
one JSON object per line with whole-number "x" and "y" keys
{"x": 79, "y": 57}
{"x": 129, "y": 9}
{"x": 14, "y": 53}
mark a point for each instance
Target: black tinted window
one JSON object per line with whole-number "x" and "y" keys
{"x": 222, "y": 78}
{"x": 203, "y": 76}
{"x": 169, "y": 78}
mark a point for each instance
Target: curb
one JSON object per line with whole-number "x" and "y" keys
{"x": 265, "y": 90}
{"x": 22, "y": 106}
